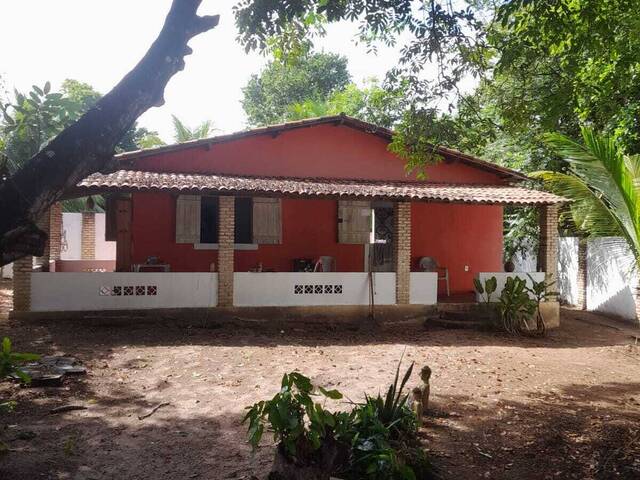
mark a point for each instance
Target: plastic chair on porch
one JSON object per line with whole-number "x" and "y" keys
{"x": 429, "y": 264}
{"x": 325, "y": 264}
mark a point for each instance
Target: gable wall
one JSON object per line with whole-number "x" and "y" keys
{"x": 324, "y": 151}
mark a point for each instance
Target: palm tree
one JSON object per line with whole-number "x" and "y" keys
{"x": 184, "y": 134}
{"x": 604, "y": 186}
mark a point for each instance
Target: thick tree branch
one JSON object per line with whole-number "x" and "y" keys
{"x": 88, "y": 145}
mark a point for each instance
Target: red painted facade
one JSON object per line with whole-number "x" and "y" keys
{"x": 456, "y": 235}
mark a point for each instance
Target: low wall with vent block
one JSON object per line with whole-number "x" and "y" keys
{"x": 55, "y": 292}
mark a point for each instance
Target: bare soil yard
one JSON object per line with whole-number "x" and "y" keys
{"x": 563, "y": 407}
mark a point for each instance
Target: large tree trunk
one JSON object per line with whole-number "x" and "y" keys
{"x": 88, "y": 145}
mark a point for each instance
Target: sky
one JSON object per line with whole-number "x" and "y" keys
{"x": 98, "y": 42}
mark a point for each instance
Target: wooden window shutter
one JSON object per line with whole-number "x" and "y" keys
{"x": 111, "y": 215}
{"x": 354, "y": 221}
{"x": 188, "y": 219}
{"x": 267, "y": 221}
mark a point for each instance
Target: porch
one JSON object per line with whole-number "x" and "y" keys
{"x": 248, "y": 256}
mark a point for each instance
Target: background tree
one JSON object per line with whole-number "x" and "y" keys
{"x": 87, "y": 145}
{"x": 182, "y": 133}
{"x": 268, "y": 96}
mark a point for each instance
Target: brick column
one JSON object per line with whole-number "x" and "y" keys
{"x": 22, "y": 284}
{"x": 226, "y": 234}
{"x": 581, "y": 300}
{"x": 55, "y": 232}
{"x": 402, "y": 250}
{"x": 548, "y": 251}
{"x": 88, "y": 236}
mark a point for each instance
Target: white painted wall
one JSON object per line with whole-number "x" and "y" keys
{"x": 423, "y": 288}
{"x": 279, "y": 289}
{"x": 70, "y": 248}
{"x": 7, "y": 271}
{"x": 104, "y": 250}
{"x": 610, "y": 277}
{"x": 568, "y": 269}
{"x": 501, "y": 280}
{"x": 72, "y": 238}
{"x": 52, "y": 292}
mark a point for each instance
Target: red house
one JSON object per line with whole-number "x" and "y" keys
{"x": 296, "y": 215}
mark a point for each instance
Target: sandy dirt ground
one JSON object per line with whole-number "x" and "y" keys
{"x": 563, "y": 407}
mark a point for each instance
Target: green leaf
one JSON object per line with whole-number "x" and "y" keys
{"x": 47, "y": 87}
{"x": 332, "y": 394}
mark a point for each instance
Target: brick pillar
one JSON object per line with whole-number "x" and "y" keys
{"x": 581, "y": 300}
{"x": 22, "y": 284}
{"x": 226, "y": 234}
{"x": 402, "y": 250}
{"x": 548, "y": 251}
{"x": 88, "y": 236}
{"x": 55, "y": 232}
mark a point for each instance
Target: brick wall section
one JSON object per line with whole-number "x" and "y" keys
{"x": 581, "y": 300}
{"x": 22, "y": 284}
{"x": 55, "y": 232}
{"x": 402, "y": 250}
{"x": 226, "y": 233}
{"x": 548, "y": 252}
{"x": 88, "y": 237}
{"x": 43, "y": 224}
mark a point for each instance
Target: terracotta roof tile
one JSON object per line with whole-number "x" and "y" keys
{"x": 136, "y": 180}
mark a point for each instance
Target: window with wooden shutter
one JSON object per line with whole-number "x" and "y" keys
{"x": 188, "y": 219}
{"x": 267, "y": 221}
{"x": 354, "y": 221}
{"x": 111, "y": 215}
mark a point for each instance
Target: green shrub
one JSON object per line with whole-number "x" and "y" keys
{"x": 10, "y": 361}
{"x": 377, "y": 438}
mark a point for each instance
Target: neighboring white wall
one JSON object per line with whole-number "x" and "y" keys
{"x": 567, "y": 284}
{"x": 51, "y": 292}
{"x": 70, "y": 248}
{"x": 72, "y": 238}
{"x": 610, "y": 277}
{"x": 7, "y": 271}
{"x": 501, "y": 280}
{"x": 423, "y": 288}
{"x": 306, "y": 289}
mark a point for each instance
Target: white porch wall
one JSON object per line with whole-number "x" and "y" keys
{"x": 51, "y": 292}
{"x": 268, "y": 289}
{"x": 424, "y": 288}
{"x": 501, "y": 280}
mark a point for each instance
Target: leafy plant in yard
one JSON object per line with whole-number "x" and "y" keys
{"x": 486, "y": 289}
{"x": 375, "y": 440}
{"x": 297, "y": 423}
{"x": 515, "y": 305}
{"x": 10, "y": 361}
{"x": 541, "y": 291}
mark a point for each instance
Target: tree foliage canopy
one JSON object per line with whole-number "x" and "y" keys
{"x": 309, "y": 77}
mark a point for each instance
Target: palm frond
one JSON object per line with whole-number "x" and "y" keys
{"x": 601, "y": 166}
{"x": 182, "y": 133}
